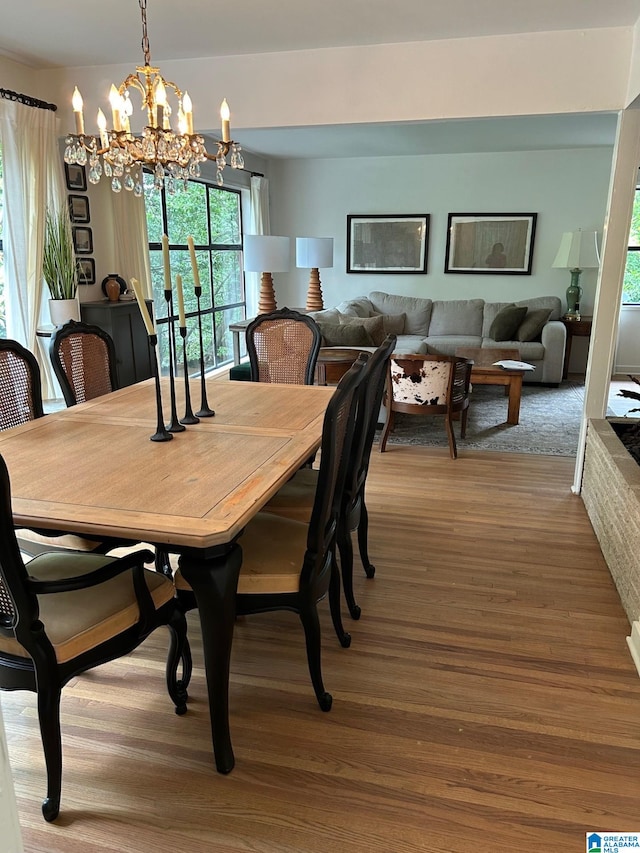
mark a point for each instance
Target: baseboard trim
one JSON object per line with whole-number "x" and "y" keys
{"x": 633, "y": 641}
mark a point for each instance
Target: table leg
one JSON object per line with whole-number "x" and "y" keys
{"x": 214, "y": 581}
{"x": 515, "y": 393}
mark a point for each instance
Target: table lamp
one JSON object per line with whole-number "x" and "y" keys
{"x": 266, "y": 255}
{"x": 578, "y": 251}
{"x": 313, "y": 253}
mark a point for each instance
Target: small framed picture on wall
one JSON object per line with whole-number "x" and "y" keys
{"x": 76, "y": 177}
{"x": 79, "y": 208}
{"x": 82, "y": 241}
{"x": 86, "y": 271}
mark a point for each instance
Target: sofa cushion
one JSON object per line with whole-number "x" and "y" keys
{"x": 358, "y": 307}
{"x": 507, "y": 322}
{"x": 448, "y": 344}
{"x": 552, "y": 302}
{"x": 327, "y": 315}
{"x": 532, "y": 324}
{"x": 456, "y": 317}
{"x": 373, "y": 325}
{"x": 491, "y": 310}
{"x": 393, "y": 323}
{"x": 408, "y": 344}
{"x": 417, "y": 310}
{"x": 345, "y": 335}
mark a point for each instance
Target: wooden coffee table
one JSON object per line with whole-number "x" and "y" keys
{"x": 483, "y": 372}
{"x": 333, "y": 363}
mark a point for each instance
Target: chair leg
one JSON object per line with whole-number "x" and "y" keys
{"x": 311, "y": 625}
{"x": 179, "y": 652}
{"x": 334, "y": 604}
{"x": 388, "y": 426}
{"x": 453, "y": 450}
{"x": 163, "y": 564}
{"x": 463, "y": 422}
{"x": 49, "y": 719}
{"x": 345, "y": 547}
{"x": 363, "y": 539}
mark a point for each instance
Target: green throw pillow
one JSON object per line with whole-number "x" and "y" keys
{"x": 393, "y": 323}
{"x": 373, "y": 325}
{"x": 506, "y": 323}
{"x": 345, "y": 335}
{"x": 531, "y": 326}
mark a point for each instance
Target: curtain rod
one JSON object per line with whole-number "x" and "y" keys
{"x": 27, "y": 100}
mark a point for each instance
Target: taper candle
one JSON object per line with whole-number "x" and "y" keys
{"x": 142, "y": 305}
{"x": 194, "y": 263}
{"x": 76, "y": 103}
{"x": 166, "y": 263}
{"x": 182, "y": 322}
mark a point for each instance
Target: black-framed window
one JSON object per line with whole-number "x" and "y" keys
{"x": 212, "y": 215}
{"x": 631, "y": 284}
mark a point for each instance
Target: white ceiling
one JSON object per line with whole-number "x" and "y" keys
{"x": 89, "y": 33}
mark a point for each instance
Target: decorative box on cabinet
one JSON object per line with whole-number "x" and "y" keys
{"x": 123, "y": 322}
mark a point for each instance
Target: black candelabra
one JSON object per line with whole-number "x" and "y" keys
{"x": 189, "y": 417}
{"x": 174, "y": 425}
{"x": 161, "y": 433}
{"x": 205, "y": 411}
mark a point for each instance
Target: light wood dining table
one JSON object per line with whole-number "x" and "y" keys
{"x": 91, "y": 469}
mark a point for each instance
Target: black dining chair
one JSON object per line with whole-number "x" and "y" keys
{"x": 83, "y": 358}
{"x": 71, "y": 612}
{"x": 295, "y": 498}
{"x": 290, "y": 565}
{"x": 283, "y": 346}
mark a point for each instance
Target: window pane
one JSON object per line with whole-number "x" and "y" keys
{"x": 631, "y": 283}
{"x": 224, "y": 339}
{"x": 187, "y": 215}
{"x": 227, "y": 277}
{"x": 634, "y": 234}
{"x": 153, "y": 207}
{"x": 224, "y": 209}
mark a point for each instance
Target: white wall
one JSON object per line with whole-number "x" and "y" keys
{"x": 566, "y": 188}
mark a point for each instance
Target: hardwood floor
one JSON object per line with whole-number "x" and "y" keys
{"x": 488, "y": 702}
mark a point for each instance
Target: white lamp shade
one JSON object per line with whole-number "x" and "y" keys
{"x": 264, "y": 253}
{"x": 314, "y": 252}
{"x": 578, "y": 250}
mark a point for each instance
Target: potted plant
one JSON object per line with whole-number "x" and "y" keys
{"x": 60, "y": 267}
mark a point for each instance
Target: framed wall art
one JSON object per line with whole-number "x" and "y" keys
{"x": 387, "y": 243}
{"x": 79, "y": 208}
{"x": 75, "y": 176}
{"x": 82, "y": 241}
{"x": 86, "y": 271}
{"x": 490, "y": 243}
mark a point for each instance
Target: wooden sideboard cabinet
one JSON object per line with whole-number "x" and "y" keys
{"x": 123, "y": 322}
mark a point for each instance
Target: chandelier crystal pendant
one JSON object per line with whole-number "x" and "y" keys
{"x": 173, "y": 156}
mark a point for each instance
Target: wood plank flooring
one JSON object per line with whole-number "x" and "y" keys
{"x": 488, "y": 702}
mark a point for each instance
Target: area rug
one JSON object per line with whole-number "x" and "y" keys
{"x": 549, "y": 422}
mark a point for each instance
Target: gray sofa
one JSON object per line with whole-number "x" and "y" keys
{"x": 425, "y": 325}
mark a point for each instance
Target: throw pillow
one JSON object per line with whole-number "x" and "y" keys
{"x": 373, "y": 325}
{"x": 393, "y": 323}
{"x": 532, "y": 324}
{"x": 507, "y": 323}
{"x": 344, "y": 335}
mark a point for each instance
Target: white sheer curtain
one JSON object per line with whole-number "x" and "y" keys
{"x": 131, "y": 240}
{"x": 258, "y": 224}
{"x": 32, "y": 181}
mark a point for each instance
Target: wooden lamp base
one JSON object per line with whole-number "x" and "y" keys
{"x": 314, "y": 293}
{"x": 267, "y": 296}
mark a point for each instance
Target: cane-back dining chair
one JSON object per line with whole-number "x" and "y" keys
{"x": 283, "y": 347}
{"x": 428, "y": 385}
{"x": 295, "y": 498}
{"x": 69, "y": 613}
{"x": 84, "y": 361}
{"x": 20, "y": 388}
{"x": 290, "y": 565}
{"x": 21, "y": 401}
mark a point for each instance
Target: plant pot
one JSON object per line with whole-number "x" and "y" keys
{"x": 63, "y": 310}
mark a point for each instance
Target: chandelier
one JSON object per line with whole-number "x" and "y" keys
{"x": 174, "y": 156}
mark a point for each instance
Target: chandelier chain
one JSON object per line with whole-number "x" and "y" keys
{"x": 146, "y": 50}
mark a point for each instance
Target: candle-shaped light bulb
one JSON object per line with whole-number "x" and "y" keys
{"x": 76, "y": 103}
{"x": 165, "y": 262}
{"x": 182, "y": 121}
{"x": 142, "y": 305}
{"x": 115, "y": 99}
{"x": 127, "y": 111}
{"x": 182, "y": 322}
{"x": 194, "y": 263}
{"x": 187, "y": 106}
{"x": 225, "y": 115}
{"x": 102, "y": 127}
